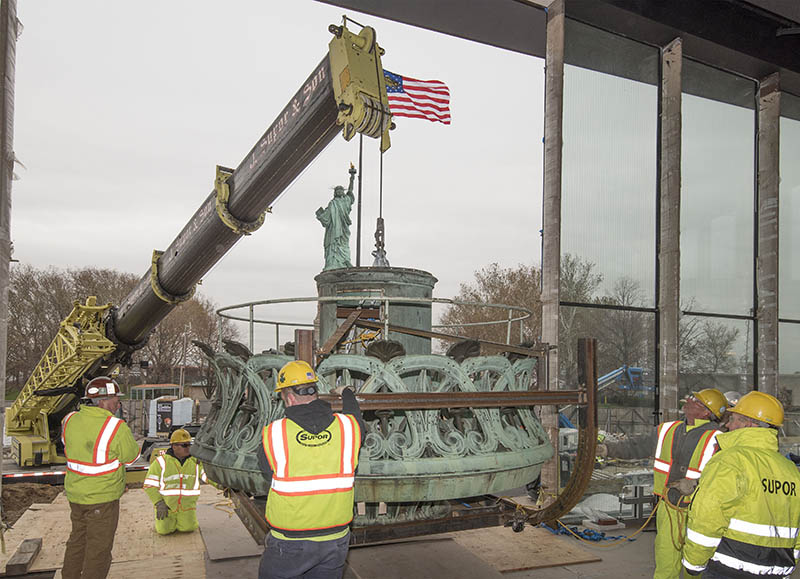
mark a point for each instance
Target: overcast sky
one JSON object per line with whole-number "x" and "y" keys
{"x": 124, "y": 109}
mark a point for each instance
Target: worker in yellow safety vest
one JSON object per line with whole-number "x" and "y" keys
{"x": 745, "y": 516}
{"x": 311, "y": 456}
{"x": 683, "y": 448}
{"x": 173, "y": 485}
{"x": 97, "y": 446}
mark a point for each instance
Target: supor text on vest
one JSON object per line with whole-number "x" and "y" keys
{"x": 775, "y": 486}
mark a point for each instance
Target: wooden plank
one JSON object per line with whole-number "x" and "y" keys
{"x": 224, "y": 534}
{"x": 136, "y": 541}
{"x": 417, "y": 559}
{"x": 179, "y": 566}
{"x": 533, "y": 548}
{"x": 23, "y": 558}
{"x": 334, "y": 339}
{"x": 493, "y": 346}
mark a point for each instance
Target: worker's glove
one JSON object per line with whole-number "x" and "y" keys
{"x": 340, "y": 389}
{"x": 685, "y": 486}
{"x": 162, "y": 510}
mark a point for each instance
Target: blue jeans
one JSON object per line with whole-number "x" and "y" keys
{"x": 307, "y": 559}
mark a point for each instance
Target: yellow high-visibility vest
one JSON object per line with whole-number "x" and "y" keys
{"x": 97, "y": 445}
{"x": 665, "y": 462}
{"x": 177, "y": 484}
{"x": 311, "y": 495}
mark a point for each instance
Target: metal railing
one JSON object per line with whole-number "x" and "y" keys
{"x": 383, "y": 300}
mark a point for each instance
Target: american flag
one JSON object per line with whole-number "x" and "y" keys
{"x": 418, "y": 99}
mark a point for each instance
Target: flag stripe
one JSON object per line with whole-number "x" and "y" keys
{"x": 442, "y": 104}
{"x": 419, "y": 99}
{"x": 411, "y": 104}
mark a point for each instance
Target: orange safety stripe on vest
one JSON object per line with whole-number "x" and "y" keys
{"x": 64, "y": 425}
{"x": 708, "y": 451}
{"x": 658, "y": 464}
{"x": 101, "y": 464}
{"x": 285, "y": 484}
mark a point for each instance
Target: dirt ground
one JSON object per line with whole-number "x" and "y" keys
{"x": 18, "y": 497}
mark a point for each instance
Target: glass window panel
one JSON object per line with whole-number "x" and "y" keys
{"x": 609, "y": 164}
{"x": 789, "y": 211}
{"x": 624, "y": 338}
{"x": 789, "y": 378}
{"x": 715, "y": 353}
{"x": 717, "y": 191}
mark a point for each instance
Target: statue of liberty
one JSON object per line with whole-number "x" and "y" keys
{"x": 335, "y": 218}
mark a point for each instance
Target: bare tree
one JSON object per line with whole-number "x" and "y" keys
{"x": 39, "y": 299}
{"x": 520, "y": 286}
{"x": 579, "y": 283}
{"x": 625, "y": 338}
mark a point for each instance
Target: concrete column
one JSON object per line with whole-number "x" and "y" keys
{"x": 769, "y": 101}
{"x": 669, "y": 246}
{"x": 551, "y": 217}
{"x": 8, "y": 51}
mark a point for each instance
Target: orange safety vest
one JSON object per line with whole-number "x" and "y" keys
{"x": 311, "y": 494}
{"x": 664, "y": 463}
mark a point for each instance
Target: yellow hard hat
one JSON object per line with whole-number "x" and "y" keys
{"x": 760, "y": 406}
{"x": 295, "y": 373}
{"x": 180, "y": 435}
{"x": 712, "y": 399}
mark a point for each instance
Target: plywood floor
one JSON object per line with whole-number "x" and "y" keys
{"x": 136, "y": 544}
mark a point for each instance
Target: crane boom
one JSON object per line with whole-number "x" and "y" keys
{"x": 346, "y": 89}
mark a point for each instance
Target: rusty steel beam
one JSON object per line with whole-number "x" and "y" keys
{"x": 460, "y": 520}
{"x": 434, "y": 400}
{"x": 496, "y": 346}
{"x": 587, "y": 440}
{"x": 250, "y": 515}
{"x": 304, "y": 346}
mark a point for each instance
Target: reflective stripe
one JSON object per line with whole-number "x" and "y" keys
{"x": 92, "y": 469}
{"x": 701, "y": 539}
{"x": 660, "y": 465}
{"x": 162, "y": 463}
{"x": 174, "y": 491}
{"x": 277, "y": 441}
{"x": 344, "y": 483}
{"x": 178, "y": 492}
{"x": 734, "y": 563}
{"x": 796, "y": 554}
{"x": 693, "y": 567}
{"x": 772, "y": 531}
{"x": 709, "y": 450}
{"x": 138, "y": 454}
{"x": 692, "y": 473}
{"x": 64, "y": 425}
{"x": 347, "y": 444}
{"x": 662, "y": 434}
{"x": 104, "y": 439}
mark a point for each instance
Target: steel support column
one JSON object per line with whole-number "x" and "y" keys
{"x": 769, "y": 100}
{"x": 551, "y": 217}
{"x": 669, "y": 243}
